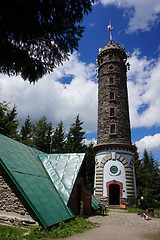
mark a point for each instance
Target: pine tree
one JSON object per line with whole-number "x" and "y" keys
{"x": 42, "y": 132}
{"x": 75, "y": 138}
{"x": 90, "y": 165}
{"x": 26, "y": 132}
{"x": 148, "y": 178}
{"x": 58, "y": 139}
{"x": 8, "y": 122}
{"x": 36, "y": 36}
{"x": 138, "y": 173}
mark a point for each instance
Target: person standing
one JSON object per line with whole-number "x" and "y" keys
{"x": 143, "y": 206}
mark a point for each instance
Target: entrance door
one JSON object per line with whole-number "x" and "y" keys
{"x": 114, "y": 194}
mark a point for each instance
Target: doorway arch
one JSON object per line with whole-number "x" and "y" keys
{"x": 114, "y": 194}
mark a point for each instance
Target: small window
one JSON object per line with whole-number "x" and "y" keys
{"x": 112, "y": 112}
{"x": 112, "y": 128}
{"x": 110, "y": 57}
{"x": 101, "y": 60}
{"x": 111, "y": 67}
{"x": 111, "y": 80}
{"x": 112, "y": 95}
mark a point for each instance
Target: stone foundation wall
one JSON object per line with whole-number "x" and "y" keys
{"x": 14, "y": 210}
{"x": 125, "y": 201}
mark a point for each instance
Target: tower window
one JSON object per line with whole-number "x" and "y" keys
{"x": 112, "y": 128}
{"x": 111, "y": 67}
{"x": 111, "y": 80}
{"x": 112, "y": 112}
{"x": 101, "y": 60}
{"x": 110, "y": 58}
{"x": 112, "y": 95}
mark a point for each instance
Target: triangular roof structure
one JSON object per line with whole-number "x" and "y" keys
{"x": 29, "y": 175}
{"x": 63, "y": 170}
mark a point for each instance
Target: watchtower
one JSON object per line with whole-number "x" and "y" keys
{"x": 114, "y": 169}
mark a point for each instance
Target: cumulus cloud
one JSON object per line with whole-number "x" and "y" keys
{"x": 143, "y": 90}
{"x": 70, "y": 90}
{"x": 151, "y": 143}
{"x": 142, "y": 14}
{"x": 89, "y": 141}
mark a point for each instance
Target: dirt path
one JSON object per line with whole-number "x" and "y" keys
{"x": 119, "y": 225}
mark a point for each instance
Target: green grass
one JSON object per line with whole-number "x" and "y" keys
{"x": 133, "y": 210}
{"x": 78, "y": 225}
{"x": 11, "y": 233}
{"x": 138, "y": 211}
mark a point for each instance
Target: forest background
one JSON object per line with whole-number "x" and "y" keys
{"x": 41, "y": 135}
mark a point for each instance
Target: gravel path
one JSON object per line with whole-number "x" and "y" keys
{"x": 119, "y": 225}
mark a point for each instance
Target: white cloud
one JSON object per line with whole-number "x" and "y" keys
{"x": 93, "y": 140}
{"x": 143, "y": 90}
{"x": 56, "y": 99}
{"x": 142, "y": 14}
{"x": 53, "y": 97}
{"x": 151, "y": 143}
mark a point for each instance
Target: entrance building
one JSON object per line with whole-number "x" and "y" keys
{"x": 114, "y": 166}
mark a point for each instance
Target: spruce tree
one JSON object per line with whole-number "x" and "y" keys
{"x": 36, "y": 36}
{"x": 148, "y": 178}
{"x": 58, "y": 139}
{"x": 75, "y": 138}
{"x": 8, "y": 121}
{"x": 90, "y": 165}
{"x": 42, "y": 132}
{"x": 26, "y": 132}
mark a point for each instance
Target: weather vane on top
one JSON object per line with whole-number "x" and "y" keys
{"x": 110, "y": 28}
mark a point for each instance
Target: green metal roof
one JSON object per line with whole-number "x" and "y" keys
{"x": 29, "y": 175}
{"x": 63, "y": 170}
{"x": 95, "y": 203}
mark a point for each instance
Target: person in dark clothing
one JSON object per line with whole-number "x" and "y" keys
{"x": 143, "y": 206}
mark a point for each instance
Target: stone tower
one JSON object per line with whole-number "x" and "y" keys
{"x": 114, "y": 168}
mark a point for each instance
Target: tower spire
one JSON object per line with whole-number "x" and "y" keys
{"x": 110, "y": 28}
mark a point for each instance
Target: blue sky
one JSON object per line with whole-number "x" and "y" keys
{"x": 72, "y": 88}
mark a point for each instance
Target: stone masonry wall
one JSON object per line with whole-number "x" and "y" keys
{"x": 120, "y": 103}
{"x": 14, "y": 210}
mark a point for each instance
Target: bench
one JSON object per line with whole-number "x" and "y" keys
{"x": 102, "y": 209}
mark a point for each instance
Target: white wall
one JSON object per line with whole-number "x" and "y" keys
{"x": 126, "y": 154}
{"x": 119, "y": 176}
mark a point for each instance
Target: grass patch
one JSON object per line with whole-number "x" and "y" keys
{"x": 78, "y": 225}
{"x": 133, "y": 210}
{"x": 157, "y": 212}
{"x": 11, "y": 233}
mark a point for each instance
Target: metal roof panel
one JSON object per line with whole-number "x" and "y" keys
{"x": 30, "y": 177}
{"x": 63, "y": 170}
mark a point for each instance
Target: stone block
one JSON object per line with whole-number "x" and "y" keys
{"x": 3, "y": 218}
